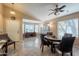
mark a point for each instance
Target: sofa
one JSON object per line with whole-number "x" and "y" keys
{"x": 29, "y": 34}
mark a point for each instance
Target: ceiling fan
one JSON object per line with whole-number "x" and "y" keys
{"x": 57, "y": 10}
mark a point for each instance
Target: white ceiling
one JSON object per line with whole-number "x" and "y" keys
{"x": 41, "y": 10}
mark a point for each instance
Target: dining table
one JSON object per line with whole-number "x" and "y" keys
{"x": 54, "y": 41}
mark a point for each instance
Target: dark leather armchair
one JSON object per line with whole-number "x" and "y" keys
{"x": 29, "y": 34}
{"x": 9, "y": 41}
{"x": 66, "y": 45}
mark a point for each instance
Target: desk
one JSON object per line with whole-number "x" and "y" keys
{"x": 53, "y": 41}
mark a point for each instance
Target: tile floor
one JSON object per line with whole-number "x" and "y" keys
{"x": 31, "y": 47}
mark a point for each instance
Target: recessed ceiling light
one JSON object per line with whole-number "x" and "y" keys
{"x": 12, "y": 12}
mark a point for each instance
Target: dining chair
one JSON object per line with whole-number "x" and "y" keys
{"x": 66, "y": 45}
{"x": 44, "y": 42}
{"x": 67, "y": 35}
{"x": 57, "y": 43}
{"x": 49, "y": 33}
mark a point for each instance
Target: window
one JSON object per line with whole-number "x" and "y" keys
{"x": 30, "y": 27}
{"x": 68, "y": 26}
{"x": 36, "y": 28}
{"x": 46, "y": 28}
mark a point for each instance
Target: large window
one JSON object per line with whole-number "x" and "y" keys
{"x": 30, "y": 27}
{"x": 46, "y": 28}
{"x": 68, "y": 26}
{"x": 36, "y": 28}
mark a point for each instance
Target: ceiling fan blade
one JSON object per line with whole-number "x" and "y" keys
{"x": 51, "y": 13}
{"x": 61, "y": 10}
{"x": 55, "y": 13}
{"x": 62, "y": 6}
{"x": 51, "y": 10}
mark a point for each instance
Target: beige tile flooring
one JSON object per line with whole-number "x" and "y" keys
{"x": 31, "y": 47}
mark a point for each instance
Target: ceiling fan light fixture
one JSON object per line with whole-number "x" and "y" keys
{"x": 57, "y": 13}
{"x": 57, "y": 10}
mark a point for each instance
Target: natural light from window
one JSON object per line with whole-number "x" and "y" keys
{"x": 68, "y": 26}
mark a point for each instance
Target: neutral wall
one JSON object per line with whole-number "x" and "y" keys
{"x": 1, "y": 19}
{"x": 53, "y": 27}
{"x": 13, "y": 27}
